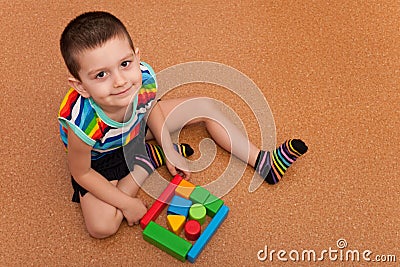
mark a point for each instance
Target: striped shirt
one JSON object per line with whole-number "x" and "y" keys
{"x": 89, "y": 122}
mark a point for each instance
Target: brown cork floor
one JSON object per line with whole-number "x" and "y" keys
{"x": 330, "y": 73}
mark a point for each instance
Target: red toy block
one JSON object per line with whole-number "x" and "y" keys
{"x": 169, "y": 191}
{"x": 192, "y": 230}
{"x": 161, "y": 202}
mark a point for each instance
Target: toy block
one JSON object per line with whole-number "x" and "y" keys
{"x": 168, "y": 192}
{"x": 213, "y": 204}
{"x": 198, "y": 212}
{"x": 155, "y": 210}
{"x": 192, "y": 230}
{"x": 179, "y": 206}
{"x": 184, "y": 189}
{"x": 175, "y": 223}
{"x": 207, "y": 234}
{"x": 199, "y": 195}
{"x": 166, "y": 240}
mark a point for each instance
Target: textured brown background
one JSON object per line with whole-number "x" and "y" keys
{"x": 330, "y": 72}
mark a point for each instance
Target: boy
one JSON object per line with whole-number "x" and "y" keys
{"x": 105, "y": 112}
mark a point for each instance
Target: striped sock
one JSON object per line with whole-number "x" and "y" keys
{"x": 157, "y": 157}
{"x": 272, "y": 165}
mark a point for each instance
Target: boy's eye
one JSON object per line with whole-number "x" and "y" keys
{"x": 126, "y": 63}
{"x": 100, "y": 75}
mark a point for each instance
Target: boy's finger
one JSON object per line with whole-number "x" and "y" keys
{"x": 172, "y": 170}
{"x": 187, "y": 175}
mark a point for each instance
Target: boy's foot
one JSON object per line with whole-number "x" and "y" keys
{"x": 157, "y": 157}
{"x": 273, "y": 165}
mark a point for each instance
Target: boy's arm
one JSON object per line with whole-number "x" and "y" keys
{"x": 155, "y": 122}
{"x": 79, "y": 160}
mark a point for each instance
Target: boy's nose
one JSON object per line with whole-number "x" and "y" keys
{"x": 119, "y": 80}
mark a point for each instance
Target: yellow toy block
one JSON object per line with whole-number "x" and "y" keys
{"x": 175, "y": 223}
{"x": 184, "y": 189}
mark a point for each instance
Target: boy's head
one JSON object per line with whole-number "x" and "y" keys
{"x": 87, "y": 31}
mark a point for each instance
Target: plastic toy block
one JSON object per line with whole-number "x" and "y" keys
{"x": 199, "y": 195}
{"x": 179, "y": 206}
{"x": 175, "y": 223}
{"x": 184, "y": 189}
{"x": 205, "y": 237}
{"x": 213, "y": 204}
{"x": 192, "y": 230}
{"x": 198, "y": 212}
{"x": 152, "y": 213}
{"x": 166, "y": 240}
{"x": 161, "y": 202}
{"x": 168, "y": 192}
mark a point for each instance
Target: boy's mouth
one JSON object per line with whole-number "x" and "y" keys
{"x": 123, "y": 91}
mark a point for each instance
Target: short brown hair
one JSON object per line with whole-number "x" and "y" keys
{"x": 87, "y": 31}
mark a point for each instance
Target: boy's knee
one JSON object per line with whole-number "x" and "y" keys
{"x": 207, "y": 103}
{"x": 102, "y": 230}
{"x": 208, "y": 107}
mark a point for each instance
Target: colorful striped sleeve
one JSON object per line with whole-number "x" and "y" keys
{"x": 77, "y": 114}
{"x": 149, "y": 86}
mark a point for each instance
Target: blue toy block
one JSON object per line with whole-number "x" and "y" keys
{"x": 205, "y": 237}
{"x": 179, "y": 206}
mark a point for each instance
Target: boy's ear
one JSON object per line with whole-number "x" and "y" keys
{"x": 137, "y": 53}
{"x": 77, "y": 85}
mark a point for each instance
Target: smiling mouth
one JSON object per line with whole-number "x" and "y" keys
{"x": 124, "y": 91}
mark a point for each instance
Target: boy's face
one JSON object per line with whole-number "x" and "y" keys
{"x": 110, "y": 74}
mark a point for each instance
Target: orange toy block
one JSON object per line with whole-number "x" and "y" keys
{"x": 175, "y": 223}
{"x": 184, "y": 189}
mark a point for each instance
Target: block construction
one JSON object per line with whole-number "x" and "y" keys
{"x": 169, "y": 241}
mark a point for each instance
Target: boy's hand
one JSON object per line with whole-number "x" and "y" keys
{"x": 181, "y": 162}
{"x": 134, "y": 211}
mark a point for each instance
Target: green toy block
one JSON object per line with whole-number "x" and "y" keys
{"x": 199, "y": 195}
{"x": 213, "y": 204}
{"x": 198, "y": 212}
{"x": 166, "y": 240}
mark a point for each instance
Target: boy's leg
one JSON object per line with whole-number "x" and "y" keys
{"x": 204, "y": 110}
{"x": 157, "y": 157}
{"x": 133, "y": 181}
{"x": 273, "y": 165}
{"x": 102, "y": 219}
{"x": 218, "y": 125}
